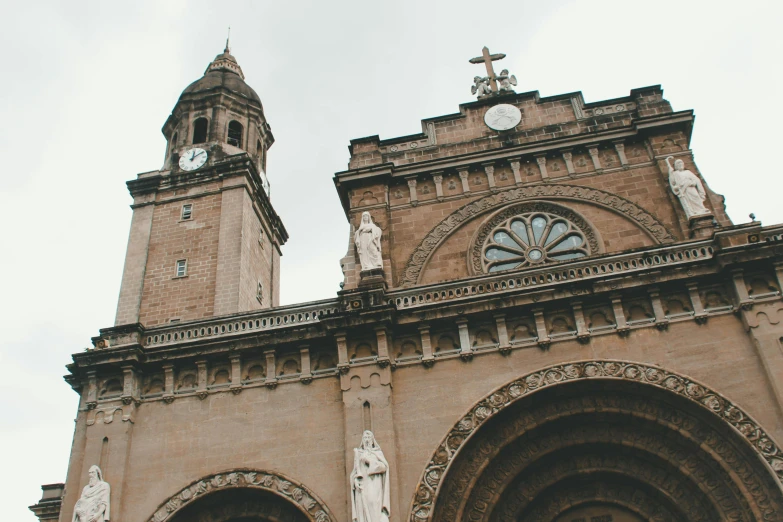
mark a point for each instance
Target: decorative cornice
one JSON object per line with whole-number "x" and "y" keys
{"x": 273, "y": 482}
{"x": 418, "y": 259}
{"x": 431, "y": 479}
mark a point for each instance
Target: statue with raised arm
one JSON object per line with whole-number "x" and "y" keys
{"x": 94, "y": 504}
{"x": 481, "y": 86}
{"x": 506, "y": 82}
{"x": 368, "y": 243}
{"x": 688, "y": 188}
{"x": 369, "y": 482}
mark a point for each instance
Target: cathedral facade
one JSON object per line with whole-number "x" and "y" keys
{"x": 546, "y": 315}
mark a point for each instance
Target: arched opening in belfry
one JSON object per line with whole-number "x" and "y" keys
{"x": 235, "y": 133}
{"x": 200, "y": 130}
{"x": 240, "y": 505}
{"x": 593, "y": 449}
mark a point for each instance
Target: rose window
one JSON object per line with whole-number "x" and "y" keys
{"x": 531, "y": 239}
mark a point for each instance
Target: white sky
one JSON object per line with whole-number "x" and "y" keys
{"x": 86, "y": 87}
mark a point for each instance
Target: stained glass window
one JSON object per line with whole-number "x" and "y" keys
{"x": 531, "y": 239}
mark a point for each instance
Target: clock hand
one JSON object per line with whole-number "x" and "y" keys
{"x": 192, "y": 155}
{"x": 199, "y": 154}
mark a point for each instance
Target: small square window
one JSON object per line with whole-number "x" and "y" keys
{"x": 187, "y": 211}
{"x": 182, "y": 268}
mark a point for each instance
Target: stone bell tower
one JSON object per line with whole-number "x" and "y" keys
{"x": 205, "y": 239}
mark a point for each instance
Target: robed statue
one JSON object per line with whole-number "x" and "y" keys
{"x": 687, "y": 186}
{"x": 368, "y": 243}
{"x": 369, "y": 482}
{"x": 94, "y": 504}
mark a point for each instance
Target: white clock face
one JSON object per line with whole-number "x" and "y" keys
{"x": 192, "y": 159}
{"x": 502, "y": 117}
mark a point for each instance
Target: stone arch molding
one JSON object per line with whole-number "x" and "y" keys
{"x": 427, "y": 490}
{"x": 268, "y": 481}
{"x": 654, "y": 228}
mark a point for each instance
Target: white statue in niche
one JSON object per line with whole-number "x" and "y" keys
{"x": 369, "y": 482}
{"x": 93, "y": 506}
{"x": 368, "y": 243}
{"x": 687, "y": 186}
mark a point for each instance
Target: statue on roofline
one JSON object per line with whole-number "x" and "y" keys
{"x": 506, "y": 82}
{"x": 480, "y": 86}
{"x": 688, "y": 188}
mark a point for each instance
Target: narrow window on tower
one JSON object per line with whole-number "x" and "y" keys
{"x": 200, "y": 130}
{"x": 182, "y": 268}
{"x": 260, "y": 293}
{"x": 261, "y": 237}
{"x": 235, "y": 133}
{"x": 187, "y": 211}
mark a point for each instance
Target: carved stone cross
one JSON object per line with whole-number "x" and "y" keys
{"x": 487, "y": 60}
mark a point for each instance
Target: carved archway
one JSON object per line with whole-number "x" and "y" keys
{"x": 646, "y": 221}
{"x": 296, "y": 497}
{"x": 610, "y": 435}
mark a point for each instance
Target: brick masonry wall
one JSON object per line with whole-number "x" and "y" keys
{"x": 165, "y": 296}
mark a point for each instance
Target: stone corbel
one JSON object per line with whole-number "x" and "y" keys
{"x": 306, "y": 377}
{"x": 437, "y": 178}
{"x": 236, "y": 374}
{"x": 661, "y": 322}
{"x": 741, "y": 290}
{"x": 515, "y": 165}
{"x": 582, "y": 333}
{"x": 271, "y": 366}
{"x": 168, "y": 383}
{"x": 130, "y": 385}
{"x": 619, "y": 146}
{"x": 427, "y": 357}
{"x": 619, "y": 316}
{"x": 382, "y": 339}
{"x": 543, "y": 337}
{"x": 593, "y": 151}
{"x": 342, "y": 353}
{"x": 489, "y": 170}
{"x": 568, "y": 157}
{"x": 91, "y": 399}
{"x": 503, "y": 345}
{"x": 699, "y": 314}
{"x": 541, "y": 160}
{"x": 201, "y": 390}
{"x": 465, "y": 350}
{"x": 414, "y": 197}
{"x": 463, "y": 176}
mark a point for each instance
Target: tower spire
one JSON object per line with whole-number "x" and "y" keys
{"x": 228, "y": 39}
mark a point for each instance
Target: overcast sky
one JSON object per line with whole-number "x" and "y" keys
{"x": 86, "y": 87}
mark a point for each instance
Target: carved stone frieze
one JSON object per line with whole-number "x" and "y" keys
{"x": 421, "y": 254}
{"x": 757, "y": 439}
{"x": 272, "y": 482}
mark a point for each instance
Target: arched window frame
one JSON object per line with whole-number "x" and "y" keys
{"x": 234, "y": 135}
{"x": 200, "y": 130}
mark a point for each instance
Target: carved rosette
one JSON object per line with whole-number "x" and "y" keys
{"x": 429, "y": 483}
{"x": 275, "y": 483}
{"x": 644, "y": 219}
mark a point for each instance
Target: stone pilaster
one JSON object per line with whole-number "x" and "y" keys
{"x": 427, "y": 357}
{"x": 541, "y": 160}
{"x": 463, "y": 176}
{"x": 619, "y": 146}
{"x": 414, "y": 196}
{"x": 619, "y": 316}
{"x": 489, "y": 170}
{"x": 661, "y": 322}
{"x": 271, "y": 366}
{"x": 568, "y": 157}
{"x": 596, "y": 160}
{"x": 236, "y": 374}
{"x": 306, "y": 376}
{"x": 465, "y": 350}
{"x": 437, "y": 178}
{"x": 515, "y": 165}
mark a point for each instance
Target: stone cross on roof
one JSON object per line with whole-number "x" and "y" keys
{"x": 487, "y": 60}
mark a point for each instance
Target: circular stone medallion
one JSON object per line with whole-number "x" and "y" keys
{"x": 502, "y": 117}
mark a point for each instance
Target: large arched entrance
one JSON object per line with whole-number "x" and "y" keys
{"x": 243, "y": 495}
{"x": 603, "y": 441}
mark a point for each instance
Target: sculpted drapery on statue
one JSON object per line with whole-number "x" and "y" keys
{"x": 688, "y": 188}
{"x": 368, "y": 243}
{"x": 94, "y": 504}
{"x": 369, "y": 482}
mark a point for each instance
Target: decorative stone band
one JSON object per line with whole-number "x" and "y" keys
{"x": 275, "y": 483}
{"x": 592, "y": 268}
{"x": 644, "y": 219}
{"x": 427, "y": 490}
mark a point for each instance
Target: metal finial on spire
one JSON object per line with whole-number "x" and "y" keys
{"x": 228, "y": 39}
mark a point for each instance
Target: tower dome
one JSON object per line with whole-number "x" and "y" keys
{"x": 223, "y": 72}
{"x": 221, "y": 111}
